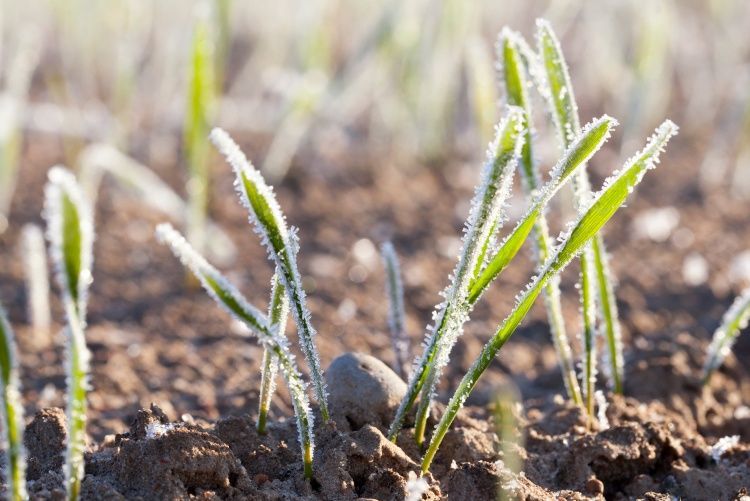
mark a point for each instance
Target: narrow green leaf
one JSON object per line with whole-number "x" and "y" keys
{"x": 735, "y": 319}
{"x": 71, "y": 235}
{"x": 228, "y": 297}
{"x": 266, "y": 216}
{"x": 11, "y": 413}
{"x": 395, "y": 292}
{"x": 612, "y": 196}
{"x": 278, "y": 309}
{"x": 450, "y": 316}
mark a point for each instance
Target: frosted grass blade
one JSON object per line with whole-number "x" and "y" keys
{"x": 735, "y": 319}
{"x": 278, "y": 310}
{"x": 395, "y": 292}
{"x": 449, "y": 317}
{"x": 228, "y": 297}
{"x": 71, "y": 235}
{"x": 603, "y": 206}
{"x": 11, "y": 413}
{"x": 34, "y": 256}
{"x": 269, "y": 223}
{"x": 200, "y": 101}
{"x": 595, "y": 276}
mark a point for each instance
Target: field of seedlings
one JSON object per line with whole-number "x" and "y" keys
{"x": 391, "y": 250}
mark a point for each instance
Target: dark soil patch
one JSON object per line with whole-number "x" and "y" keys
{"x": 155, "y": 340}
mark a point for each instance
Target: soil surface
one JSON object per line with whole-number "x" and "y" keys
{"x": 155, "y": 339}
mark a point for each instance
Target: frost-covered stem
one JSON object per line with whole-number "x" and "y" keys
{"x": 515, "y": 82}
{"x": 71, "y": 236}
{"x": 277, "y": 313}
{"x": 735, "y": 319}
{"x": 603, "y": 206}
{"x": 11, "y": 413}
{"x": 558, "y": 92}
{"x": 200, "y": 101}
{"x": 395, "y": 291}
{"x": 450, "y": 316}
{"x": 34, "y": 257}
{"x": 270, "y": 225}
{"x": 588, "y": 376}
{"x": 229, "y": 298}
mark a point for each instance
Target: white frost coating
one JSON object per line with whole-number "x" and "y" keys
{"x": 156, "y": 430}
{"x": 270, "y": 338}
{"x": 284, "y": 258}
{"x": 486, "y": 213}
{"x": 735, "y": 319}
{"x": 396, "y": 315}
{"x": 11, "y": 391}
{"x": 415, "y": 487}
{"x": 61, "y": 184}
{"x": 278, "y": 310}
{"x": 601, "y": 413}
{"x": 722, "y": 446}
{"x": 34, "y": 257}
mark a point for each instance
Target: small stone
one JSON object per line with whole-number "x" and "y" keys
{"x": 363, "y": 390}
{"x": 594, "y": 486}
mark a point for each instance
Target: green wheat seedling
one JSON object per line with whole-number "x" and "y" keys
{"x": 735, "y": 319}
{"x": 601, "y": 208}
{"x": 395, "y": 291}
{"x": 34, "y": 256}
{"x": 509, "y": 433}
{"x": 270, "y": 337}
{"x": 515, "y": 83}
{"x": 70, "y": 232}
{"x": 12, "y": 413}
{"x": 595, "y": 273}
{"x": 278, "y": 311}
{"x": 589, "y": 142}
{"x": 200, "y": 102}
{"x": 281, "y": 242}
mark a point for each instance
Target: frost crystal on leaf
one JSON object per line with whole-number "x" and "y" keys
{"x": 722, "y": 446}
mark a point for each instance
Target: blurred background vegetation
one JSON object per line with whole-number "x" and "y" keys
{"x": 411, "y": 79}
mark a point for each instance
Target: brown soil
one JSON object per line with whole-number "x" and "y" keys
{"x": 155, "y": 340}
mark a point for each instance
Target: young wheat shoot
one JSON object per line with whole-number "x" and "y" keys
{"x": 507, "y": 401}
{"x": 450, "y": 315}
{"x": 592, "y": 138}
{"x": 200, "y": 101}
{"x": 395, "y": 291}
{"x": 595, "y": 273}
{"x": 229, "y": 298}
{"x": 602, "y": 207}
{"x": 70, "y": 232}
{"x": 278, "y": 310}
{"x": 515, "y": 83}
{"x": 268, "y": 220}
{"x": 735, "y": 319}
{"x": 11, "y": 413}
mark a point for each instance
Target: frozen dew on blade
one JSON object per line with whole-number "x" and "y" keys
{"x": 269, "y": 223}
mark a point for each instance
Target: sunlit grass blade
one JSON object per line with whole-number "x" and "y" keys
{"x": 603, "y": 206}
{"x": 278, "y": 310}
{"x": 556, "y": 87}
{"x": 396, "y": 317}
{"x": 228, "y": 297}
{"x": 507, "y": 402}
{"x": 266, "y": 216}
{"x": 70, "y": 231}
{"x": 12, "y": 413}
{"x": 735, "y": 319}
{"x": 200, "y": 103}
{"x": 449, "y": 317}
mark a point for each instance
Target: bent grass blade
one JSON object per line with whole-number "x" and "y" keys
{"x": 228, "y": 297}
{"x": 266, "y": 216}
{"x": 603, "y": 206}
